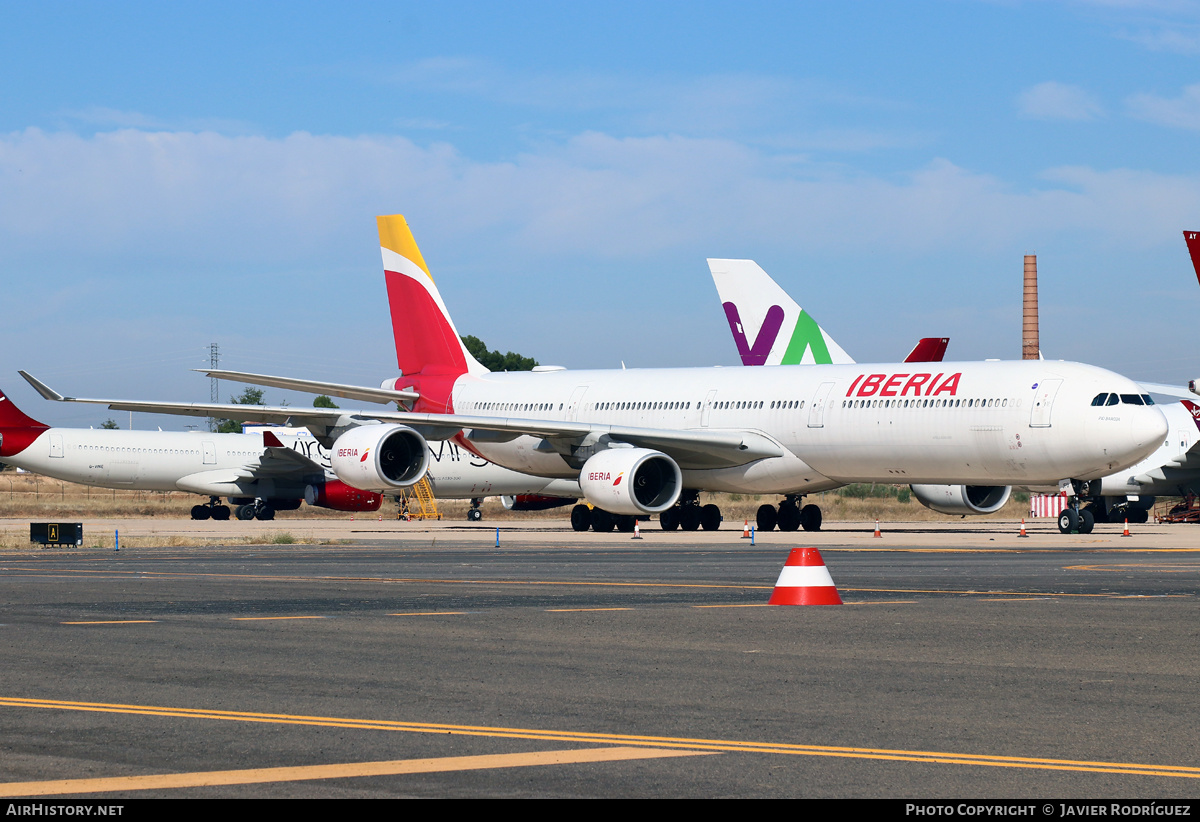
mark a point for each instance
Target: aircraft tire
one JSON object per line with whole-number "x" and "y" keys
{"x": 265, "y": 514}
{"x": 581, "y": 518}
{"x": 602, "y": 521}
{"x": 789, "y": 517}
{"x": 220, "y": 513}
{"x": 1086, "y": 521}
{"x": 626, "y": 523}
{"x": 474, "y": 515}
{"x": 1068, "y": 521}
{"x": 1139, "y": 516}
{"x": 810, "y": 518}
{"x": 245, "y": 512}
{"x": 201, "y": 512}
{"x": 669, "y": 519}
{"x": 710, "y": 517}
{"x": 689, "y": 517}
{"x": 767, "y": 518}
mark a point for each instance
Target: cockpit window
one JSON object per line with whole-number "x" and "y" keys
{"x": 1148, "y": 400}
{"x": 1113, "y": 399}
{"x": 1100, "y": 398}
{"x": 1132, "y": 399}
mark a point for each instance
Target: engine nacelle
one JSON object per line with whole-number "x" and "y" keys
{"x": 535, "y": 502}
{"x": 631, "y": 481}
{"x": 962, "y": 499}
{"x": 339, "y": 496}
{"x": 379, "y": 457}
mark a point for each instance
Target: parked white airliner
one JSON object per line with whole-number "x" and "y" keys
{"x": 257, "y": 471}
{"x": 647, "y": 441}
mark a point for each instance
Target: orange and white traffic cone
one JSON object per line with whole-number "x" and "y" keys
{"x": 1023, "y": 534}
{"x": 637, "y": 529}
{"x": 746, "y": 530}
{"x": 805, "y": 580}
{"x": 1127, "y": 534}
{"x": 878, "y": 535}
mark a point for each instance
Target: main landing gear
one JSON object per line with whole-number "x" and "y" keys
{"x": 601, "y": 521}
{"x": 789, "y": 516}
{"x": 259, "y": 509}
{"x": 690, "y": 515}
{"x": 212, "y": 509}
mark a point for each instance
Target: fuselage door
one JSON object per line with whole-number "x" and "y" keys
{"x": 575, "y": 401}
{"x": 1043, "y": 402}
{"x": 56, "y": 445}
{"x": 706, "y": 408}
{"x": 210, "y": 453}
{"x": 816, "y": 411}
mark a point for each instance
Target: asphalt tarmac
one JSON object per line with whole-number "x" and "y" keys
{"x": 411, "y": 660}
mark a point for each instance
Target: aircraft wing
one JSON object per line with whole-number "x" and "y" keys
{"x": 692, "y": 449}
{"x": 332, "y": 389}
{"x": 1181, "y": 391}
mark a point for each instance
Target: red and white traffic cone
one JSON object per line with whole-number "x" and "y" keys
{"x": 1023, "y": 534}
{"x": 878, "y": 535}
{"x": 746, "y": 530}
{"x": 805, "y": 580}
{"x": 637, "y": 529}
{"x": 1127, "y": 534}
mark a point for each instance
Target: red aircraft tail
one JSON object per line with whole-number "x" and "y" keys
{"x": 17, "y": 429}
{"x": 1192, "y": 238}
{"x": 928, "y": 349}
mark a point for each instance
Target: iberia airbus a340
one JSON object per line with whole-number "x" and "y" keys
{"x": 648, "y": 441}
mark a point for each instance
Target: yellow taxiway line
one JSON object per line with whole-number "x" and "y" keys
{"x": 626, "y": 740}
{"x": 204, "y": 779}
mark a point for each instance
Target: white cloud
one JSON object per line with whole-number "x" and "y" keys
{"x": 204, "y": 198}
{"x": 1058, "y": 101}
{"x": 1180, "y": 112}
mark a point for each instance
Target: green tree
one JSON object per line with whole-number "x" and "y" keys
{"x": 250, "y": 396}
{"x": 494, "y": 360}
{"x": 110, "y": 424}
{"x": 323, "y": 401}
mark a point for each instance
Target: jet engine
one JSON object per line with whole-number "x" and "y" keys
{"x": 339, "y": 496}
{"x": 379, "y": 457}
{"x": 631, "y": 481}
{"x": 962, "y": 499}
{"x": 535, "y": 502}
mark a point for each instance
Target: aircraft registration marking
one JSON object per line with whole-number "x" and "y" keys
{"x": 658, "y": 742}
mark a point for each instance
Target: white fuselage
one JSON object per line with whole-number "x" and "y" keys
{"x": 198, "y": 462}
{"x": 990, "y": 423}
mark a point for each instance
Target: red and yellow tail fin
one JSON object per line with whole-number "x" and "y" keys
{"x": 426, "y": 340}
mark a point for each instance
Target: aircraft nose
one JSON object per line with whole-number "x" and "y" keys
{"x": 1149, "y": 427}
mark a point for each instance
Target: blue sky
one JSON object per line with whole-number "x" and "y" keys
{"x": 174, "y": 175}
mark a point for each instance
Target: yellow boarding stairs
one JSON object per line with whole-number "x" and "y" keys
{"x": 418, "y": 502}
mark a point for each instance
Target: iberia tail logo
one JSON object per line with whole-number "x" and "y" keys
{"x": 366, "y": 453}
{"x": 617, "y": 481}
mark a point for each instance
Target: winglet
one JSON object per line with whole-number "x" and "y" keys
{"x": 1192, "y": 238}
{"x": 272, "y": 441}
{"x": 928, "y": 349}
{"x": 46, "y": 391}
